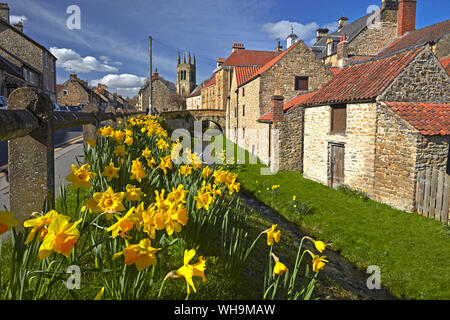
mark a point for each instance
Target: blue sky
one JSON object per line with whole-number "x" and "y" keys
{"x": 112, "y": 44}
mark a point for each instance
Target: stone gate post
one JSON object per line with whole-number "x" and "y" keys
{"x": 31, "y": 159}
{"x": 90, "y": 130}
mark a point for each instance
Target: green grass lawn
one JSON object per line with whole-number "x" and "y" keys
{"x": 413, "y": 252}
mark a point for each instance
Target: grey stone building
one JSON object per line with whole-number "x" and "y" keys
{"x": 163, "y": 94}
{"x": 36, "y": 64}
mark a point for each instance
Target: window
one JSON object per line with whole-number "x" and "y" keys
{"x": 338, "y": 119}
{"x": 243, "y": 92}
{"x": 236, "y": 112}
{"x": 243, "y": 110}
{"x": 329, "y": 48}
{"x": 243, "y": 132}
{"x": 301, "y": 83}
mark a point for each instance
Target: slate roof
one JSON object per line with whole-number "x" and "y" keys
{"x": 365, "y": 81}
{"x": 430, "y": 119}
{"x": 351, "y": 30}
{"x": 10, "y": 68}
{"x": 430, "y": 34}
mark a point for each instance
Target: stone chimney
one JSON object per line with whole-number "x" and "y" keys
{"x": 73, "y": 76}
{"x": 220, "y": 62}
{"x": 19, "y": 26}
{"x": 279, "y": 48}
{"x": 4, "y": 12}
{"x": 321, "y": 33}
{"x": 156, "y": 74}
{"x": 342, "y": 21}
{"x": 277, "y": 103}
{"x": 238, "y": 46}
{"x": 342, "y": 51}
{"x": 406, "y": 16}
{"x": 389, "y": 4}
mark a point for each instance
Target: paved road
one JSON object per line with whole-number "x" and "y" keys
{"x": 62, "y": 138}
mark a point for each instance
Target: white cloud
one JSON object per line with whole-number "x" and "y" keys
{"x": 16, "y": 19}
{"x": 306, "y": 32}
{"x": 71, "y": 61}
{"x": 281, "y": 29}
{"x": 124, "y": 84}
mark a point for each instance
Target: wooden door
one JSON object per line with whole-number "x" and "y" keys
{"x": 337, "y": 165}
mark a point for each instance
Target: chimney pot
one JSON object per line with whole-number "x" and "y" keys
{"x": 342, "y": 21}
{"x": 238, "y": 46}
{"x": 19, "y": 26}
{"x": 279, "y": 48}
{"x": 4, "y": 12}
{"x": 321, "y": 33}
{"x": 73, "y": 76}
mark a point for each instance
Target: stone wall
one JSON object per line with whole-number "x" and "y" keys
{"x": 160, "y": 97}
{"x": 432, "y": 152}
{"x": 358, "y": 140}
{"x": 76, "y": 95}
{"x": 370, "y": 41}
{"x": 315, "y": 149}
{"x": 299, "y": 61}
{"x": 21, "y": 47}
{"x": 291, "y": 141}
{"x": 423, "y": 80}
{"x": 395, "y": 159}
{"x": 209, "y": 95}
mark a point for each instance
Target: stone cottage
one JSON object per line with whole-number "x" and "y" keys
{"x": 35, "y": 63}
{"x": 376, "y": 124}
{"x": 162, "y": 94}
{"x": 295, "y": 71}
{"x": 367, "y": 35}
{"x": 76, "y": 92}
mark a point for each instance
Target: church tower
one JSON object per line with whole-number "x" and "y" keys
{"x": 186, "y": 74}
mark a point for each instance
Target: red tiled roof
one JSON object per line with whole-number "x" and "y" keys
{"x": 425, "y": 35}
{"x": 430, "y": 119}
{"x": 243, "y": 74}
{"x": 250, "y": 58}
{"x": 211, "y": 82}
{"x": 446, "y": 64}
{"x": 269, "y": 64}
{"x": 289, "y": 105}
{"x": 363, "y": 81}
{"x": 59, "y": 87}
{"x": 334, "y": 70}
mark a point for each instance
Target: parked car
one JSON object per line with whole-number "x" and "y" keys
{"x": 75, "y": 108}
{"x": 59, "y": 108}
{"x": 3, "y": 103}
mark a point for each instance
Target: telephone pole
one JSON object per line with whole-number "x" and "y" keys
{"x": 151, "y": 82}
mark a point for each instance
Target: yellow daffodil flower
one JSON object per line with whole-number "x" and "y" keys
{"x": 142, "y": 255}
{"x": 133, "y": 193}
{"x": 119, "y": 151}
{"x": 110, "y": 172}
{"x": 206, "y": 172}
{"x": 91, "y": 143}
{"x": 81, "y": 177}
{"x": 146, "y": 153}
{"x": 99, "y": 294}
{"x": 39, "y": 224}
{"x": 109, "y": 201}
{"x": 7, "y": 221}
{"x": 279, "y": 268}
{"x": 319, "y": 263}
{"x": 189, "y": 271}
{"x": 129, "y": 141}
{"x": 177, "y": 195}
{"x": 124, "y": 224}
{"x": 273, "y": 235}
{"x": 137, "y": 170}
{"x": 166, "y": 163}
{"x": 61, "y": 237}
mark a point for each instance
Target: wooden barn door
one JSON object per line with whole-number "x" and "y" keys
{"x": 336, "y": 165}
